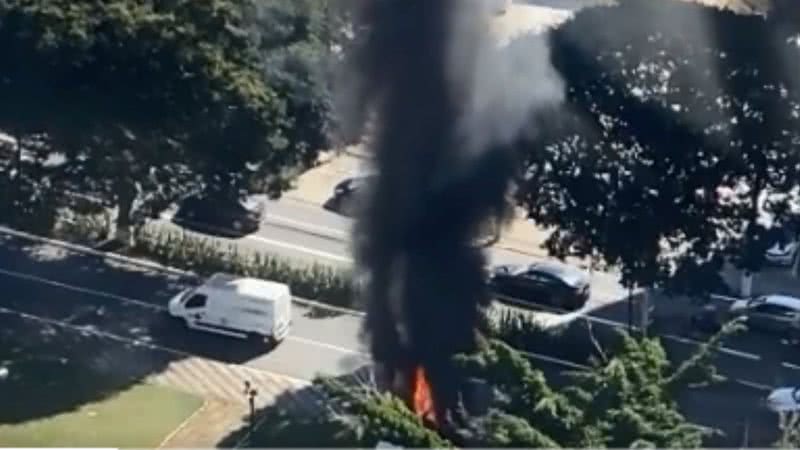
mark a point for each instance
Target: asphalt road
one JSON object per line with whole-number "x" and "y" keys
{"x": 307, "y": 233}
{"x": 46, "y": 287}
{"x": 74, "y": 290}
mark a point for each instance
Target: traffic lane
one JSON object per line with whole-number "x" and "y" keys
{"x": 335, "y": 336}
{"x": 581, "y": 339}
{"x": 734, "y": 409}
{"x": 307, "y": 360}
{"x": 673, "y": 315}
{"x": 312, "y": 220}
{"x": 143, "y": 286}
{"x": 332, "y": 328}
{"x": 312, "y": 217}
{"x": 126, "y": 320}
{"x": 91, "y": 287}
{"x": 298, "y": 357}
{"x": 57, "y": 265}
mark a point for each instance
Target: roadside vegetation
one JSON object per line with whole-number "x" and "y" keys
{"x": 626, "y": 399}
{"x": 669, "y": 139}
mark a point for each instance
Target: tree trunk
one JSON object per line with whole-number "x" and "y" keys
{"x": 125, "y": 192}
{"x": 746, "y": 285}
{"x": 751, "y": 260}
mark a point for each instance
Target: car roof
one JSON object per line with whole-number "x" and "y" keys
{"x": 782, "y": 300}
{"x": 570, "y": 275}
{"x": 253, "y": 288}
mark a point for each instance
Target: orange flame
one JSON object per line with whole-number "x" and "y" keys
{"x": 421, "y": 396}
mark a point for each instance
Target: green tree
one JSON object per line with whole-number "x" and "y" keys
{"x": 623, "y": 400}
{"x": 667, "y": 105}
{"x": 374, "y": 417}
{"x": 148, "y": 99}
{"x": 301, "y": 44}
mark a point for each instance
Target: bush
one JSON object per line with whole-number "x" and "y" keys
{"x": 205, "y": 256}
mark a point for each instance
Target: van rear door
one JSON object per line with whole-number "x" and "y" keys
{"x": 283, "y": 317}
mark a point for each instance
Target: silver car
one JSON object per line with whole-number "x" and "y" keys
{"x": 769, "y": 313}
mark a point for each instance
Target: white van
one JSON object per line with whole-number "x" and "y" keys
{"x": 237, "y": 307}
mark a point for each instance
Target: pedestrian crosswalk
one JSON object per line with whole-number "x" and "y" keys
{"x": 228, "y": 382}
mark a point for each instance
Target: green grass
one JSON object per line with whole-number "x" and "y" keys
{"x": 141, "y": 416}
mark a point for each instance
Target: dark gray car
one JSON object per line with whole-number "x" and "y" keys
{"x": 543, "y": 283}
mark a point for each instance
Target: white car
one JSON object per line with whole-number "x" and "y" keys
{"x": 771, "y": 313}
{"x": 782, "y": 253}
{"x": 783, "y": 400}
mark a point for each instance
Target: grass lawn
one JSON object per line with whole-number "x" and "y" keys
{"x": 140, "y": 416}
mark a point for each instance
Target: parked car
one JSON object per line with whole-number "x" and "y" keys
{"x": 544, "y": 283}
{"x": 220, "y": 212}
{"x": 777, "y": 314}
{"x": 237, "y": 307}
{"x": 783, "y": 251}
{"x": 784, "y": 399}
{"x": 347, "y": 193}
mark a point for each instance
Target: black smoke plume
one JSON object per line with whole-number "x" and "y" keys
{"x": 439, "y": 184}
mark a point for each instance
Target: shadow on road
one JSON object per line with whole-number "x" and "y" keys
{"x": 75, "y": 329}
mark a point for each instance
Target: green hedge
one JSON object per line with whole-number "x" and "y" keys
{"x": 319, "y": 282}
{"x": 315, "y": 282}
{"x": 206, "y": 256}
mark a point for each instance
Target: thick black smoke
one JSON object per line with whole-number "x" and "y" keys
{"x": 438, "y": 184}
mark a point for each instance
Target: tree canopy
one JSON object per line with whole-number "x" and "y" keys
{"x": 623, "y": 401}
{"x": 148, "y": 100}
{"x": 678, "y": 120}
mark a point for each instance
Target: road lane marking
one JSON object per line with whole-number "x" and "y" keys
{"x": 34, "y": 278}
{"x": 564, "y": 320}
{"x": 143, "y": 304}
{"x": 730, "y": 351}
{"x": 152, "y": 306}
{"x": 306, "y": 227}
{"x": 759, "y": 386}
{"x": 300, "y": 248}
{"x": 136, "y": 342}
{"x": 790, "y": 365}
{"x": 329, "y": 346}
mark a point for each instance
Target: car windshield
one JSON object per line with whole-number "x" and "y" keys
{"x": 562, "y": 272}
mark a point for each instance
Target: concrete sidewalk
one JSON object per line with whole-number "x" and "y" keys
{"x": 226, "y": 407}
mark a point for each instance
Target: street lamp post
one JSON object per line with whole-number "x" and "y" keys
{"x": 251, "y": 394}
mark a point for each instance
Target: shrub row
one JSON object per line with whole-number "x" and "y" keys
{"x": 206, "y": 256}
{"x": 319, "y": 282}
